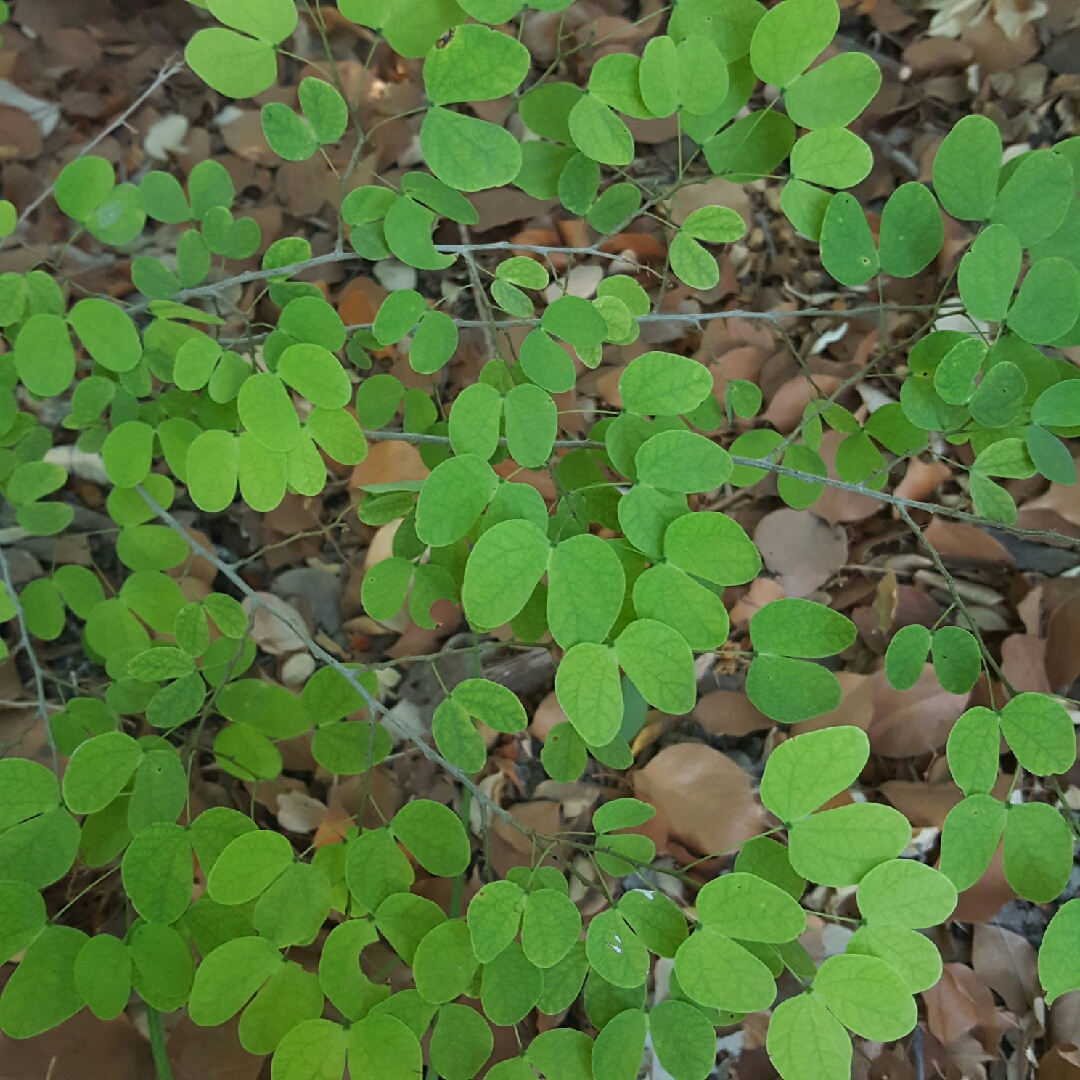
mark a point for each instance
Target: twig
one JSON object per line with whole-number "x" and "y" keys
{"x": 349, "y": 676}
{"x": 163, "y": 76}
{"x": 28, "y": 648}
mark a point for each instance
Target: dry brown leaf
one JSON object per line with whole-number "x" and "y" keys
{"x": 728, "y": 712}
{"x": 210, "y": 1053}
{"x": 542, "y": 816}
{"x": 707, "y": 798}
{"x": 245, "y": 138}
{"x": 1063, "y": 644}
{"x": 1062, "y": 499}
{"x": 268, "y": 631}
{"x": 922, "y": 478}
{"x": 960, "y": 1002}
{"x": 548, "y": 713}
{"x": 856, "y": 707}
{"x": 987, "y": 896}
{"x": 1060, "y": 1063}
{"x": 389, "y": 462}
{"x": 1023, "y": 660}
{"x": 834, "y": 504}
{"x": 715, "y": 192}
{"x": 762, "y": 591}
{"x": 964, "y": 543}
{"x": 801, "y": 549}
{"x": 1065, "y": 1019}
{"x": 786, "y": 407}
{"x": 1007, "y": 963}
{"x": 908, "y": 723}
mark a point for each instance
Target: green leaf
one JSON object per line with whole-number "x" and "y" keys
{"x": 491, "y": 704}
{"x": 746, "y": 907}
{"x": 659, "y": 663}
{"x": 83, "y": 185}
{"x": 267, "y": 412}
{"x": 511, "y": 985}
{"x": 832, "y": 157}
{"x": 452, "y": 498}
{"x": 98, "y": 771}
{"x": 991, "y": 501}
{"x": 615, "y": 208}
{"x": 156, "y": 872}
{"x": 550, "y": 926}
{"x": 311, "y": 320}
{"x": 26, "y": 790}
{"x": 433, "y": 343}
{"x": 407, "y": 229}
{"x": 805, "y": 205}
{"x": 714, "y": 224}
{"x": 376, "y": 867}
{"x": 911, "y": 229}
{"x": 127, "y": 453}
{"x": 1036, "y": 851}
{"x": 987, "y": 273}
{"x": 313, "y": 1050}
{"x": 494, "y": 916}
{"x": 906, "y": 893}
{"x": 587, "y": 687}
{"x": 564, "y": 755}
{"x": 1057, "y": 406}
{"x": 834, "y": 93}
{"x": 434, "y": 835}
{"x": 839, "y": 847}
{"x": 805, "y": 772}
{"x": 969, "y": 839}
{"x": 231, "y": 64}
{"x": 619, "y": 1046}
{"x": 1059, "y": 954}
{"x": 325, "y": 110}
{"x": 505, "y": 565}
{"x": 599, "y": 133}
{"x": 957, "y": 659}
{"x": 461, "y": 1043}
{"x": 546, "y": 108}
{"x": 794, "y": 627}
{"x": 290, "y": 997}
{"x": 457, "y": 738}
{"x": 716, "y": 971}
{"x": 615, "y": 951}
{"x": 531, "y": 421}
{"x": 954, "y": 377}
{"x": 586, "y": 585}
{"x": 560, "y": 1054}
{"x": 444, "y": 964}
{"x": 162, "y": 966}
{"x": 41, "y": 850}
{"x": 711, "y": 546}
{"x": 289, "y": 135}
{"x": 1050, "y": 455}
{"x": 44, "y": 357}
{"x": 43, "y": 610}
{"x": 663, "y": 384}
{"x": 120, "y": 219}
{"x": 478, "y": 64}
{"x": 1040, "y": 733}
{"x": 475, "y": 418}
{"x": 247, "y": 866}
{"x": 667, "y": 595}
{"x": 912, "y": 954}
{"x": 806, "y": 1042}
{"x": 108, "y": 335}
{"x": 866, "y": 995}
{"x": 272, "y": 21}
{"x": 768, "y": 859}
{"x": 102, "y": 974}
{"x": 1048, "y": 303}
{"x": 847, "y": 246}
{"x": 1034, "y": 200}
{"x": 24, "y": 917}
{"x": 966, "y": 168}
{"x": 692, "y": 264}
{"x": 160, "y": 791}
{"x": 789, "y": 37}
{"x": 575, "y": 321}
{"x": 701, "y": 75}
{"x": 658, "y": 76}
{"x": 751, "y": 147}
{"x": 381, "y": 1045}
{"x": 229, "y": 976}
{"x": 42, "y": 991}
{"x": 293, "y": 908}
{"x": 213, "y": 830}
{"x": 466, "y": 153}
{"x": 973, "y": 749}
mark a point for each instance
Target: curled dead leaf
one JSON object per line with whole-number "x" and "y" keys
{"x": 801, "y": 549}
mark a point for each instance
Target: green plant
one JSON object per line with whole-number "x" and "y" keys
{"x": 160, "y": 398}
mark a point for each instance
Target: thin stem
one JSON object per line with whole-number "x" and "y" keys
{"x": 157, "y": 1044}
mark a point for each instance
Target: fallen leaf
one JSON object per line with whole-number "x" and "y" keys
{"x": 548, "y": 713}
{"x": 762, "y": 591}
{"x": 1063, "y": 644}
{"x": 959, "y": 1002}
{"x": 706, "y": 797}
{"x": 786, "y": 407}
{"x": 987, "y": 896}
{"x": 964, "y": 543}
{"x": 268, "y": 631}
{"x": 835, "y": 504}
{"x": 801, "y": 549}
{"x": 922, "y": 478}
{"x": 299, "y": 812}
{"x": 856, "y": 707}
{"x": 1060, "y": 1063}
{"x": 728, "y": 712}
{"x": 1007, "y": 963}
{"x": 1023, "y": 663}
{"x": 715, "y": 192}
{"x": 210, "y": 1053}
{"x": 388, "y": 462}
{"x": 908, "y": 723}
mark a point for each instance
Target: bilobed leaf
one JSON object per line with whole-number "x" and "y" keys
{"x": 987, "y": 273}
{"x": 289, "y": 135}
{"x": 229, "y": 976}
{"x": 1036, "y": 851}
{"x": 1048, "y": 303}
{"x": 505, "y": 565}
{"x": 1034, "y": 200}
{"x": 1059, "y": 954}
{"x": 586, "y": 585}
{"x": 701, "y": 75}
{"x": 912, "y": 954}
{"x": 957, "y": 658}
{"x": 477, "y": 64}
{"x": 599, "y": 133}
{"x": 407, "y": 230}
{"x": 313, "y": 1050}
{"x": 1040, "y": 733}
{"x": 83, "y": 185}
{"x": 444, "y": 964}
{"x": 954, "y": 377}
{"x": 531, "y": 421}
{"x": 24, "y": 917}
{"x": 832, "y": 157}
{"x": 973, "y": 749}
{"x": 247, "y": 866}
{"x": 839, "y": 847}
{"x": 793, "y": 627}
{"x": 966, "y": 168}
{"x": 791, "y": 690}
{"x": 434, "y": 835}
{"x": 749, "y": 908}
{"x": 906, "y": 893}
{"x": 99, "y": 770}
{"x": 547, "y": 363}
{"x": 711, "y": 546}
{"x": 692, "y": 264}
{"x": 452, "y": 498}
{"x": 833, "y": 93}
{"x": 659, "y": 663}
{"x": 911, "y": 229}
{"x": 789, "y": 37}
{"x": 866, "y": 995}
{"x": 969, "y": 838}
{"x": 805, "y": 772}
{"x": 752, "y": 147}
{"x": 806, "y": 1042}
{"x": 805, "y": 205}
{"x": 670, "y": 596}
{"x": 234, "y": 65}
{"x": 615, "y": 951}
{"x": 716, "y": 971}
{"x": 587, "y": 687}
{"x": 324, "y": 108}
{"x": 466, "y": 153}
{"x": 847, "y": 246}
{"x": 42, "y": 991}
{"x": 494, "y": 917}
{"x": 156, "y": 872}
